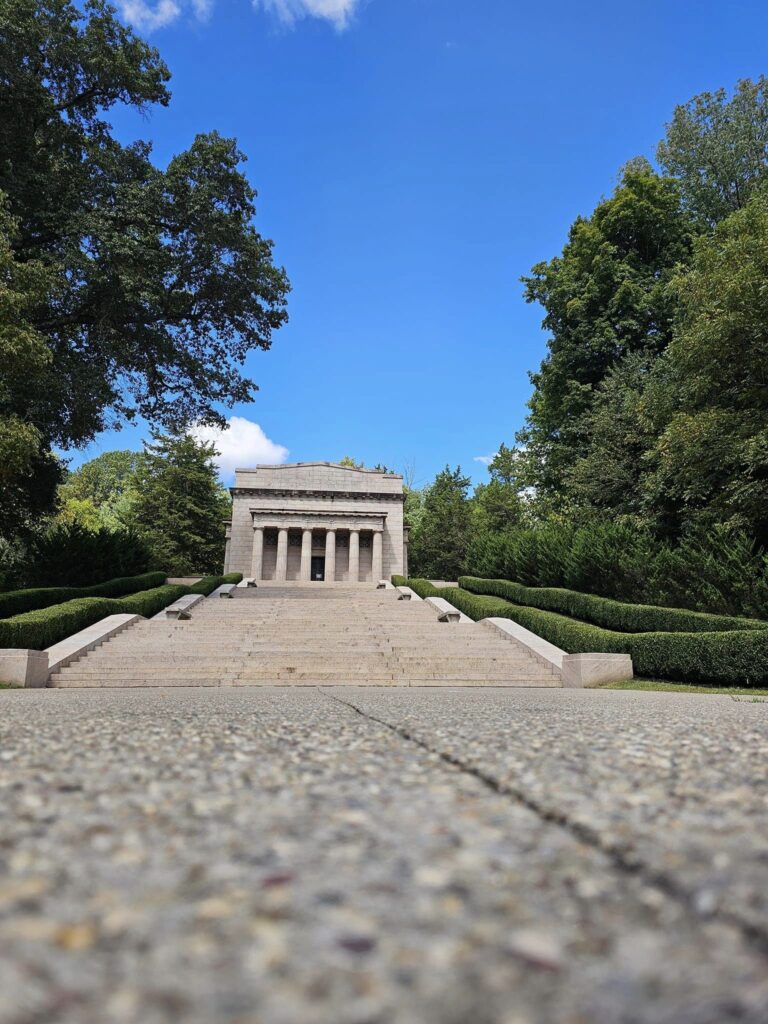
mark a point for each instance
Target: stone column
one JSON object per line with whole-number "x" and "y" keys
{"x": 330, "y": 556}
{"x": 306, "y": 556}
{"x": 354, "y": 556}
{"x": 257, "y": 556}
{"x": 378, "y": 560}
{"x": 227, "y": 545}
{"x": 281, "y": 569}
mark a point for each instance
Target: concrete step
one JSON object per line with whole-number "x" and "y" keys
{"x": 298, "y": 636}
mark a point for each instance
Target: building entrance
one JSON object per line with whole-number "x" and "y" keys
{"x": 318, "y": 568}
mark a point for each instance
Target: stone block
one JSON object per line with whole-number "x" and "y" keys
{"x": 245, "y": 582}
{"x": 22, "y": 667}
{"x": 406, "y": 594}
{"x": 225, "y": 590}
{"x": 445, "y": 611}
{"x": 181, "y": 609}
{"x": 579, "y": 670}
{"x": 536, "y": 645}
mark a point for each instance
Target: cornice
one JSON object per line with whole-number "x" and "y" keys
{"x": 271, "y": 492}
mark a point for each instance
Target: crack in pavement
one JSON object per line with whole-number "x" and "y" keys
{"x": 620, "y": 856}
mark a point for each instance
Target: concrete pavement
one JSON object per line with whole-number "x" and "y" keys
{"x": 365, "y": 856}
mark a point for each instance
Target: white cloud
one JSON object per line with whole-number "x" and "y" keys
{"x": 241, "y": 444}
{"x": 202, "y": 9}
{"x": 338, "y": 12}
{"x": 485, "y": 459}
{"x": 152, "y": 14}
{"x": 148, "y": 16}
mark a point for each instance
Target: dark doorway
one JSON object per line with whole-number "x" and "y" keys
{"x": 318, "y": 568}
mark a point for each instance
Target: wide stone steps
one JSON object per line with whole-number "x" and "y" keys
{"x": 306, "y": 636}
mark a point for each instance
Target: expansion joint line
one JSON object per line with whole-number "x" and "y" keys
{"x": 620, "y": 856}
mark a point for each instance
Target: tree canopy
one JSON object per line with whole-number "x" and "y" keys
{"x": 140, "y": 290}
{"x": 179, "y": 506}
{"x": 716, "y": 148}
{"x": 605, "y": 297}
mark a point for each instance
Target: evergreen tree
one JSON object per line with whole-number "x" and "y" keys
{"x": 179, "y": 506}
{"x": 439, "y": 543}
{"x": 498, "y": 506}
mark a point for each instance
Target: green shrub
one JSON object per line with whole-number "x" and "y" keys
{"x": 718, "y": 570}
{"x": 72, "y": 556}
{"x": 47, "y": 626}
{"x": 18, "y": 601}
{"x": 150, "y": 602}
{"x": 421, "y": 587}
{"x": 736, "y": 658}
{"x": 602, "y": 611}
{"x": 209, "y": 583}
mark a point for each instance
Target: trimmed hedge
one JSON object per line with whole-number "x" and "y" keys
{"x": 610, "y": 614}
{"x": 733, "y": 658}
{"x": 421, "y": 587}
{"x": 16, "y": 602}
{"x": 47, "y": 626}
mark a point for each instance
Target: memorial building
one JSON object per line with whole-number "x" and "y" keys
{"x": 317, "y": 521}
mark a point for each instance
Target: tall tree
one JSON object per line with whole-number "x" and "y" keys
{"x": 717, "y": 149}
{"x": 29, "y": 473}
{"x": 163, "y": 284}
{"x": 710, "y": 464}
{"x": 439, "y": 543}
{"x": 605, "y": 297}
{"x": 179, "y": 505}
{"x": 498, "y": 505}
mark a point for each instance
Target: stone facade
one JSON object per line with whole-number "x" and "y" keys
{"x": 316, "y": 521}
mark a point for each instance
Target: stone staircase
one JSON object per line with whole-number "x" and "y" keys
{"x": 307, "y": 635}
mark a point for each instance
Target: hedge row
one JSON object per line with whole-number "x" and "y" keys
{"x": 421, "y": 587}
{"x": 15, "y": 602}
{"x": 47, "y": 626}
{"x": 610, "y": 614}
{"x": 735, "y": 658}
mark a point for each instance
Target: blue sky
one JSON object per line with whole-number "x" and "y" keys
{"x": 414, "y": 158}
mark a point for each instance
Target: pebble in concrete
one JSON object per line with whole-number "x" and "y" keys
{"x": 247, "y": 856}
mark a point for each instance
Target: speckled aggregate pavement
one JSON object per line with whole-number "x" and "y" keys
{"x": 366, "y": 856}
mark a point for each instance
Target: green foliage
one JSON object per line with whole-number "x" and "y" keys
{"x": 134, "y": 289}
{"x": 498, "y": 506}
{"x": 710, "y": 463}
{"x": 439, "y": 541}
{"x": 209, "y": 583}
{"x": 717, "y": 149}
{"x": 38, "y": 630}
{"x": 733, "y": 658}
{"x": 424, "y": 588}
{"x": 718, "y": 570}
{"x": 16, "y": 602}
{"x": 178, "y": 506}
{"x": 99, "y": 493}
{"x": 75, "y": 556}
{"x": 28, "y": 472}
{"x": 614, "y": 615}
{"x": 606, "y": 297}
